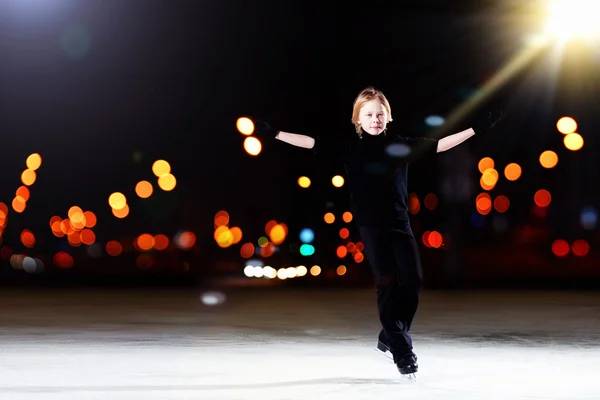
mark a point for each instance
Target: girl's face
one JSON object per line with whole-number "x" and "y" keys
{"x": 373, "y": 117}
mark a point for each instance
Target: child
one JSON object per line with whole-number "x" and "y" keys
{"x": 376, "y": 164}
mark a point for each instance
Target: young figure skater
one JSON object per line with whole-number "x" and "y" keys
{"x": 376, "y": 164}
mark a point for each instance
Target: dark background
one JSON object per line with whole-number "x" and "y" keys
{"x": 103, "y": 89}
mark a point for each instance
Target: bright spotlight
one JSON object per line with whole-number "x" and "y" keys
{"x": 573, "y": 19}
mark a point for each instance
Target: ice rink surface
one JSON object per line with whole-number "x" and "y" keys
{"x": 294, "y": 344}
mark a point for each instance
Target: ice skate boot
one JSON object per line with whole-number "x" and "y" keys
{"x": 407, "y": 365}
{"x": 382, "y": 342}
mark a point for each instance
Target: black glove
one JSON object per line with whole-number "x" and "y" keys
{"x": 488, "y": 121}
{"x": 263, "y": 129}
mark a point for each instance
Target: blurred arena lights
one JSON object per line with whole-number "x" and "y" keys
{"x": 572, "y": 19}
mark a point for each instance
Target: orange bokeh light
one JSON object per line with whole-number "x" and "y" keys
{"x": 329, "y": 218}
{"x": 144, "y": 189}
{"x": 27, "y": 238}
{"x": 341, "y": 251}
{"x": 344, "y": 233}
{"x": 414, "y": 205}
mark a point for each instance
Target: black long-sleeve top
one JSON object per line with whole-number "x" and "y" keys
{"x": 377, "y": 172}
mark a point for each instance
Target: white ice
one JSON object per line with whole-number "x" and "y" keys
{"x": 299, "y": 344}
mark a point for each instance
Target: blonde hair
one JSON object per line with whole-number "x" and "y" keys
{"x": 365, "y": 96}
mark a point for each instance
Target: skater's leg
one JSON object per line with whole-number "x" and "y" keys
{"x": 380, "y": 257}
{"x": 407, "y": 292}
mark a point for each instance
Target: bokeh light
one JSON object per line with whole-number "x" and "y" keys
{"x": 485, "y": 163}
{"x": 34, "y": 161}
{"x": 28, "y": 177}
{"x": 347, "y": 217}
{"x": 548, "y": 159}
{"x": 566, "y": 125}
{"x": 329, "y": 218}
{"x": 483, "y": 203}
{"x": 252, "y": 146}
{"x": 144, "y": 189}
{"x": 560, "y": 248}
{"x": 167, "y": 182}
{"x": 160, "y": 168}
{"x": 304, "y": 182}
{"x": 501, "y": 203}
{"x": 307, "y": 235}
{"x": 573, "y": 141}
{"x": 490, "y": 177}
{"x": 414, "y": 205}
{"x": 117, "y": 201}
{"x": 431, "y": 201}
{"x": 512, "y": 171}
{"x": 245, "y": 126}
{"x": 337, "y": 181}
{"x": 542, "y": 198}
{"x": 580, "y": 247}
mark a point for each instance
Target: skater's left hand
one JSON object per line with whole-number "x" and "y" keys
{"x": 263, "y": 129}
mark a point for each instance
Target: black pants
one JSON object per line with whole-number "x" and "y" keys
{"x": 394, "y": 258}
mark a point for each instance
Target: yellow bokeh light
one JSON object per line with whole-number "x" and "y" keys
{"x": 304, "y": 182}
{"x": 315, "y": 270}
{"x": 117, "y": 201}
{"x": 573, "y": 141}
{"x": 224, "y": 236}
{"x": 34, "y": 161}
{"x": 167, "y": 182}
{"x": 277, "y": 234}
{"x": 144, "y": 189}
{"x": 337, "y": 181}
{"x": 75, "y": 210}
{"x": 486, "y": 186}
{"x": 490, "y": 176}
{"x": 28, "y": 177}
{"x": 252, "y": 146}
{"x": 160, "y": 168}
{"x": 512, "y": 171}
{"x": 548, "y": 159}
{"x": 245, "y": 126}
{"x": 566, "y": 125}
{"x": 485, "y": 163}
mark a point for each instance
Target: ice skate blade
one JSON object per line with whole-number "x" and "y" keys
{"x": 410, "y": 377}
{"x": 387, "y": 355}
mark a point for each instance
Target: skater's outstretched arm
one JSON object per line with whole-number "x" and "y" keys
{"x": 484, "y": 124}
{"x": 334, "y": 150}
{"x": 296, "y": 139}
{"x": 454, "y": 140}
